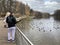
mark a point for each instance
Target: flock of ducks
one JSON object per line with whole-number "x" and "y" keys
{"x": 41, "y": 27}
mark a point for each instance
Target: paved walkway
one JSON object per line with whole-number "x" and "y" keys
{"x": 3, "y": 35}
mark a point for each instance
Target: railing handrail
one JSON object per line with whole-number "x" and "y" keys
{"x": 25, "y": 36}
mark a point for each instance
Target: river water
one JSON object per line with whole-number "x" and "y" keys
{"x": 44, "y": 31}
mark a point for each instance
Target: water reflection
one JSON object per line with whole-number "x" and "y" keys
{"x": 42, "y": 31}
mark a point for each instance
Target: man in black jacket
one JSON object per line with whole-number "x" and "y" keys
{"x": 11, "y": 21}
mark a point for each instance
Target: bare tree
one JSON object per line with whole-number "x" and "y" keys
{"x": 22, "y": 8}
{"x": 57, "y": 14}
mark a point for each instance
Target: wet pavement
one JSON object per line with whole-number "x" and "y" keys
{"x": 42, "y": 31}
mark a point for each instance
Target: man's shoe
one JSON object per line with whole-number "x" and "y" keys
{"x": 8, "y": 40}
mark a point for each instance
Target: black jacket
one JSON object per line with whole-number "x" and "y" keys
{"x": 12, "y": 22}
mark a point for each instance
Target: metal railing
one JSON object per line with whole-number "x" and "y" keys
{"x": 21, "y": 39}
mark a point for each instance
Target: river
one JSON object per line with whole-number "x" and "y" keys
{"x": 44, "y": 31}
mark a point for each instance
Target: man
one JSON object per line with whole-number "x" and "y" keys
{"x": 11, "y": 21}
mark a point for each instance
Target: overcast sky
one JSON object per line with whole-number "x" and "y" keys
{"x": 43, "y": 5}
